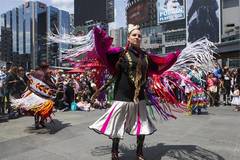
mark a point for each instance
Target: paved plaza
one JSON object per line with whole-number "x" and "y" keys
{"x": 212, "y": 136}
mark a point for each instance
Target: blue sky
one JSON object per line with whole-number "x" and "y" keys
{"x": 68, "y": 5}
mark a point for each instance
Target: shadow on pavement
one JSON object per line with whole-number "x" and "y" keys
{"x": 202, "y": 114}
{"x": 101, "y": 151}
{"x": 161, "y": 152}
{"x": 171, "y": 152}
{"x": 51, "y": 128}
{"x": 3, "y": 118}
{"x": 7, "y": 117}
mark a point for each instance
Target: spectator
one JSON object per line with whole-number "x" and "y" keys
{"x": 236, "y": 98}
{"x": 59, "y": 97}
{"x": 227, "y": 86}
{"x": 69, "y": 95}
{"x": 218, "y": 74}
{"x": 12, "y": 88}
{"x": 212, "y": 89}
{"x": 237, "y": 80}
{"x": 2, "y": 78}
{"x": 23, "y": 80}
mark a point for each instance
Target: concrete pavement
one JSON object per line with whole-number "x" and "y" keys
{"x": 213, "y": 136}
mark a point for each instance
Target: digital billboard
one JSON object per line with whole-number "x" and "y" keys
{"x": 170, "y": 10}
{"x": 203, "y": 20}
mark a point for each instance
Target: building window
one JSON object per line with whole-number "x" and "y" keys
{"x": 230, "y": 3}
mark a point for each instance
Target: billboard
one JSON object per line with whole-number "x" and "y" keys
{"x": 96, "y": 10}
{"x": 170, "y": 10}
{"x": 203, "y": 20}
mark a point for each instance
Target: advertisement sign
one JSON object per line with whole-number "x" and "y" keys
{"x": 170, "y": 10}
{"x": 203, "y": 20}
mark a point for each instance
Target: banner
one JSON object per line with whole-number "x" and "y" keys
{"x": 170, "y": 10}
{"x": 203, "y": 20}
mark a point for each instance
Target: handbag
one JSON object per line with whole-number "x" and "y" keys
{"x": 73, "y": 106}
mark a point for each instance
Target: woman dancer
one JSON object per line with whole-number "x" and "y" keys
{"x": 129, "y": 108}
{"x": 129, "y": 112}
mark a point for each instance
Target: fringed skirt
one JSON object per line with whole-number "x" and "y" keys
{"x": 199, "y": 99}
{"x": 122, "y": 117}
{"x": 32, "y": 104}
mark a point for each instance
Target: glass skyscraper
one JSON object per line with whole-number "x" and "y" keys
{"x": 15, "y": 30}
{"x": 93, "y": 10}
{"x": 6, "y": 36}
{"x": 24, "y": 33}
{"x": 64, "y": 22}
{"x": 21, "y": 30}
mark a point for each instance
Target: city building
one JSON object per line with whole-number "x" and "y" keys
{"x": 165, "y": 38}
{"x": 65, "y": 26}
{"x": 172, "y": 29}
{"x": 58, "y": 22}
{"x": 169, "y": 31}
{"x": 229, "y": 48}
{"x": 24, "y": 31}
{"x": 92, "y": 10}
{"x": 142, "y": 12}
{"x": 6, "y": 37}
{"x": 162, "y": 30}
{"x": 119, "y": 37}
{"x": 72, "y": 23}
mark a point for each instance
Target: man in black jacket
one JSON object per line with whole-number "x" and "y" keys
{"x": 11, "y": 86}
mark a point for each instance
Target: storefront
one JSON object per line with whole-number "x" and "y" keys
{"x": 229, "y": 53}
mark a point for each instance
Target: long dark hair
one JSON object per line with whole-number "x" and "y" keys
{"x": 122, "y": 55}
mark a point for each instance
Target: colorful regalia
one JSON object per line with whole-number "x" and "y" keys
{"x": 139, "y": 76}
{"x": 37, "y": 100}
{"x": 197, "y": 99}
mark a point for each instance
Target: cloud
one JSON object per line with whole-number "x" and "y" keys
{"x": 67, "y": 5}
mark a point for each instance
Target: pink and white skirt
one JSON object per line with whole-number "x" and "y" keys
{"x": 122, "y": 117}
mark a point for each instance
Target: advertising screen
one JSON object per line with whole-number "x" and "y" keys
{"x": 170, "y": 10}
{"x": 203, "y": 20}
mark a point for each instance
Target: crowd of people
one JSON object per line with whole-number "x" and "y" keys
{"x": 74, "y": 91}
{"x": 13, "y": 82}
{"x": 220, "y": 87}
